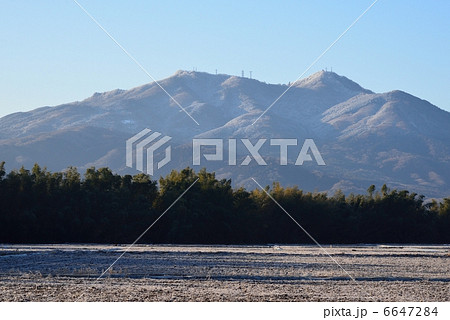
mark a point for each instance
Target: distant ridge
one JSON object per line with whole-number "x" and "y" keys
{"x": 365, "y": 137}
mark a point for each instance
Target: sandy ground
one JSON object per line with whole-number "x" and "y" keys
{"x": 224, "y": 273}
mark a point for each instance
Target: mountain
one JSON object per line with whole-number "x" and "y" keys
{"x": 364, "y": 137}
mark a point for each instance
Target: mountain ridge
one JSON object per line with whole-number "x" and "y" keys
{"x": 365, "y": 137}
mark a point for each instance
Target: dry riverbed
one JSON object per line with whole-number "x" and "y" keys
{"x": 224, "y": 273}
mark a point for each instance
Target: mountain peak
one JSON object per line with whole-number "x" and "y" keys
{"x": 181, "y": 73}
{"x": 328, "y": 79}
{"x": 185, "y": 74}
{"x": 365, "y": 138}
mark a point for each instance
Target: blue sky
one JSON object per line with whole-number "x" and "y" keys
{"x": 52, "y": 53}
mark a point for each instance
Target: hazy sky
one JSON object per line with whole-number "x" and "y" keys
{"x": 52, "y": 53}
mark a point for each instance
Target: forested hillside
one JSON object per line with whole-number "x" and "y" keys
{"x": 39, "y": 206}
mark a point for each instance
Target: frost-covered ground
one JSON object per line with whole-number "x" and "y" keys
{"x": 224, "y": 273}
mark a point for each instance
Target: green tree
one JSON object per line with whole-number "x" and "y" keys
{"x": 371, "y": 190}
{"x": 2, "y": 170}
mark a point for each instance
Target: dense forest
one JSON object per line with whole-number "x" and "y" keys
{"x": 39, "y": 206}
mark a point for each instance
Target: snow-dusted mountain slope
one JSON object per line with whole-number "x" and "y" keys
{"x": 364, "y": 137}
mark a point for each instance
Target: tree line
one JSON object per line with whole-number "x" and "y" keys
{"x": 38, "y": 206}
